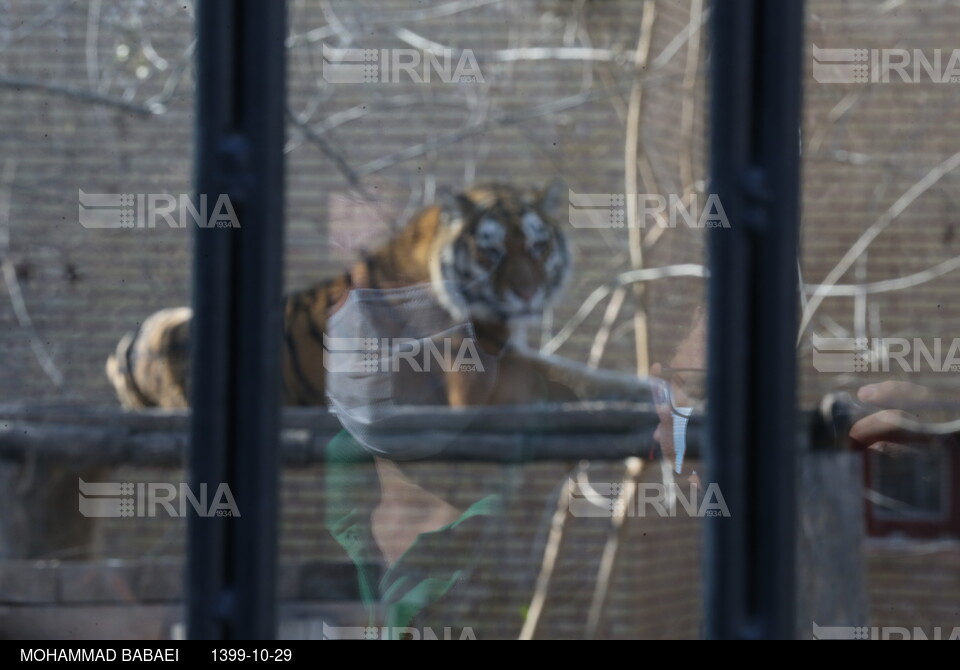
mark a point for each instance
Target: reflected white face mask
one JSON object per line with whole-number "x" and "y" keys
{"x": 387, "y": 349}
{"x": 681, "y": 416}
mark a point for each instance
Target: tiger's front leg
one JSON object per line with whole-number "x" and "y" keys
{"x": 566, "y": 376}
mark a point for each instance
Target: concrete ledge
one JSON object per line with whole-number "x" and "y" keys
{"x": 87, "y": 437}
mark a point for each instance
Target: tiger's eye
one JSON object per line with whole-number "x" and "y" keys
{"x": 492, "y": 253}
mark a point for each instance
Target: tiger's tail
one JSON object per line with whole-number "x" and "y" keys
{"x": 120, "y": 374}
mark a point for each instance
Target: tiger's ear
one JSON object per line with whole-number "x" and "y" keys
{"x": 552, "y": 197}
{"x": 453, "y": 206}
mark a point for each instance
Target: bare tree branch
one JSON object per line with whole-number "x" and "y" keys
{"x": 36, "y": 21}
{"x": 687, "y": 107}
{"x": 340, "y": 29}
{"x": 91, "y": 46}
{"x": 352, "y": 177}
{"x": 510, "y": 55}
{"x": 872, "y": 232}
{"x": 495, "y": 120}
{"x": 886, "y": 285}
{"x": 633, "y": 469}
{"x": 13, "y": 285}
{"x": 550, "y": 553}
{"x": 445, "y": 9}
{"x": 177, "y": 74}
{"x": 603, "y": 333}
{"x": 678, "y": 41}
{"x": 92, "y": 97}
{"x": 631, "y": 149}
{"x": 601, "y": 292}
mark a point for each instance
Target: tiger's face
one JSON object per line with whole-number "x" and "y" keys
{"x": 502, "y": 257}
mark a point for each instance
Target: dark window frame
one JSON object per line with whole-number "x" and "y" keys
{"x": 888, "y": 524}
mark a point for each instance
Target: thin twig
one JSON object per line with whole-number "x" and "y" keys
{"x": 13, "y": 285}
{"x": 495, "y": 120}
{"x": 688, "y": 33}
{"x": 338, "y": 159}
{"x": 549, "y": 563}
{"x": 871, "y": 233}
{"x": 886, "y": 285}
{"x": 631, "y": 149}
{"x": 603, "y": 333}
{"x": 26, "y": 83}
{"x": 444, "y": 9}
{"x": 346, "y": 37}
{"x": 860, "y": 299}
{"x": 91, "y": 45}
{"x": 688, "y": 105}
{"x": 38, "y": 20}
{"x": 633, "y": 468}
{"x": 601, "y": 292}
{"x": 649, "y": 179}
{"x": 507, "y": 55}
{"x": 177, "y": 74}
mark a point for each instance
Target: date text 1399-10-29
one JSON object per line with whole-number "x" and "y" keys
{"x": 264, "y": 654}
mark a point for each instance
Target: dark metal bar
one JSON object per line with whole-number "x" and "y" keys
{"x": 749, "y": 568}
{"x": 237, "y": 298}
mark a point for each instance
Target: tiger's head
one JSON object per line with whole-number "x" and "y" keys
{"x": 501, "y": 256}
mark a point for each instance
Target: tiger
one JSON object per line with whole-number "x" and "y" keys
{"x": 494, "y": 254}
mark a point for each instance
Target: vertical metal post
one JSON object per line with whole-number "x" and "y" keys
{"x": 749, "y": 568}
{"x": 236, "y": 330}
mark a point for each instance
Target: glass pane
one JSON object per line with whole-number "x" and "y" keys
{"x": 491, "y": 496}
{"x": 96, "y": 135}
{"x": 513, "y": 457}
{"x": 880, "y": 321}
{"x": 909, "y": 488}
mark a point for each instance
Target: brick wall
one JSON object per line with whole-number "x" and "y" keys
{"x": 863, "y": 148}
{"x": 914, "y": 584}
